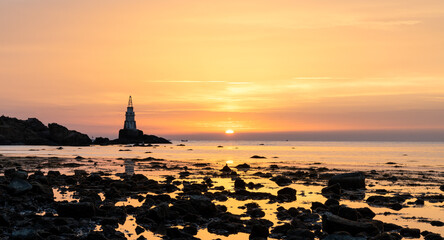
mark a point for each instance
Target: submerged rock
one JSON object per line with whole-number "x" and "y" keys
{"x": 355, "y": 180}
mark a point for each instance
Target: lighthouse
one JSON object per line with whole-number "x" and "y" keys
{"x": 130, "y": 122}
{"x": 129, "y": 134}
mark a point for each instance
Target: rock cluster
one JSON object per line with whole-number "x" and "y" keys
{"x": 33, "y": 132}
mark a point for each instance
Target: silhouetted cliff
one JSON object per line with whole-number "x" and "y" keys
{"x": 14, "y": 131}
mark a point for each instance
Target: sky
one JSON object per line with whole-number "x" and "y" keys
{"x": 205, "y": 66}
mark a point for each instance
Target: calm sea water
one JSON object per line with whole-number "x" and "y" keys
{"x": 346, "y": 155}
{"x": 403, "y": 156}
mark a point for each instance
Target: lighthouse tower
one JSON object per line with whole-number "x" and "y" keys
{"x": 130, "y": 122}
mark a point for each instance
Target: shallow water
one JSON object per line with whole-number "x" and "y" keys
{"x": 409, "y": 158}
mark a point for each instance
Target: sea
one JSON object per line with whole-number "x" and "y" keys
{"x": 393, "y": 158}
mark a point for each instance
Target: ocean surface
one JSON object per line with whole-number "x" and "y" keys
{"x": 393, "y": 158}
{"x": 344, "y": 155}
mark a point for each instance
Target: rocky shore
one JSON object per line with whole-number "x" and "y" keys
{"x": 14, "y": 131}
{"x": 190, "y": 200}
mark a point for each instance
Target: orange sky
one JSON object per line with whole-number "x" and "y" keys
{"x": 207, "y": 66}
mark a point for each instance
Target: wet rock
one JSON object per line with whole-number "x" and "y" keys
{"x": 257, "y": 156}
{"x": 19, "y": 186}
{"x": 432, "y": 236}
{"x": 25, "y": 234}
{"x": 243, "y": 166}
{"x": 53, "y": 174}
{"x": 442, "y": 188}
{"x": 348, "y": 213}
{"x": 410, "y": 232}
{"x": 366, "y": 213}
{"x": 224, "y": 228}
{"x": 94, "y": 235}
{"x": 259, "y": 232}
{"x": 239, "y": 184}
{"x": 76, "y": 210}
{"x": 286, "y": 194}
{"x": 317, "y": 205}
{"x": 252, "y": 185}
{"x": 4, "y": 220}
{"x": 437, "y": 223}
{"x": 332, "y": 223}
{"x": 335, "y": 189}
{"x": 281, "y": 180}
{"x": 355, "y": 180}
{"x": 342, "y": 237}
{"x": 43, "y": 190}
{"x": 226, "y": 169}
{"x": 391, "y": 227}
{"x": 190, "y": 229}
{"x": 331, "y": 202}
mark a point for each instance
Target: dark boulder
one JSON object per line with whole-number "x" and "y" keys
{"x": 281, "y": 180}
{"x": 259, "y": 232}
{"x": 76, "y": 210}
{"x": 332, "y": 189}
{"x": 355, "y": 180}
{"x": 410, "y": 232}
{"x": 239, "y": 184}
{"x": 25, "y": 234}
{"x": 332, "y": 223}
{"x": 19, "y": 186}
{"x": 286, "y": 194}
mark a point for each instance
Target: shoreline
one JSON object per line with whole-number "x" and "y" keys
{"x": 178, "y": 181}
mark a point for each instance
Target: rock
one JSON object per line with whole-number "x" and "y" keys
{"x": 332, "y": 223}
{"x": 4, "y": 220}
{"x": 190, "y": 229}
{"x": 286, "y": 194}
{"x": 331, "y": 202}
{"x": 226, "y": 169}
{"x": 348, "y": 213}
{"x": 257, "y": 156}
{"x": 101, "y": 141}
{"x": 355, "y": 180}
{"x": 25, "y": 234}
{"x": 239, "y": 184}
{"x": 281, "y": 180}
{"x": 20, "y": 174}
{"x": 410, "y": 232}
{"x": 62, "y": 136}
{"x": 335, "y": 188}
{"x": 342, "y": 237}
{"x": 366, "y": 213}
{"x": 43, "y": 190}
{"x": 243, "y": 166}
{"x": 132, "y": 136}
{"x": 76, "y": 210}
{"x": 259, "y": 232}
{"x": 19, "y": 186}
{"x": 433, "y": 236}
{"x": 437, "y": 223}
{"x": 442, "y": 188}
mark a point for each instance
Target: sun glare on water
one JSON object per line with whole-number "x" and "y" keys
{"x": 229, "y": 131}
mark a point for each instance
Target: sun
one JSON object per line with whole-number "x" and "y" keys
{"x": 229, "y": 131}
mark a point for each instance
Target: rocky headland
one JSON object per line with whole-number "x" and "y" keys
{"x": 14, "y": 131}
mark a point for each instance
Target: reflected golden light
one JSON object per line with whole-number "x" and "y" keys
{"x": 229, "y": 131}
